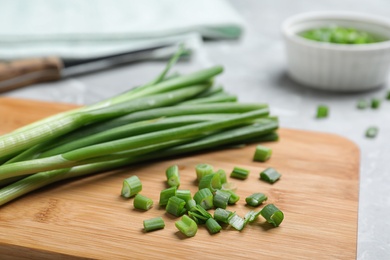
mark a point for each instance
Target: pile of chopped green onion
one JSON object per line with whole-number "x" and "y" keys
{"x": 194, "y": 210}
{"x": 169, "y": 116}
{"x": 341, "y": 35}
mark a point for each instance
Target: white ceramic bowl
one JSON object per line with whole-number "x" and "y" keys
{"x": 337, "y": 67}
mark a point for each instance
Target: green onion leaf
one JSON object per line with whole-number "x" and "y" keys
{"x": 199, "y": 214}
{"x": 198, "y": 218}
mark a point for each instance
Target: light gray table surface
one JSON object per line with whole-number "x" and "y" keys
{"x": 255, "y": 70}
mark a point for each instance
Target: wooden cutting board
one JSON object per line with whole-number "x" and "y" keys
{"x": 87, "y": 218}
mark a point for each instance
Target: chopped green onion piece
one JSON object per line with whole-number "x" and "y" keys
{"x": 255, "y": 199}
{"x": 272, "y": 214}
{"x": 166, "y": 194}
{"x": 362, "y": 104}
{"x": 236, "y": 221}
{"x": 210, "y": 181}
{"x": 190, "y": 204}
{"x": 372, "y": 132}
{"x": 322, "y": 111}
{"x": 375, "y": 103}
{"x": 221, "y": 199}
{"x": 270, "y": 175}
{"x": 184, "y": 195}
{"x": 198, "y": 218}
{"x": 202, "y": 211}
{"x": 202, "y": 170}
{"x": 213, "y": 226}
{"x": 199, "y": 214}
{"x": 388, "y": 95}
{"x": 131, "y": 186}
{"x": 222, "y": 215}
{"x": 222, "y": 176}
{"x": 251, "y": 216}
{"x": 173, "y": 177}
{"x": 229, "y": 186}
{"x": 187, "y": 226}
{"x": 153, "y": 224}
{"x": 262, "y": 153}
{"x": 233, "y": 197}
{"x": 204, "y": 198}
{"x": 239, "y": 173}
{"x": 142, "y": 202}
{"x": 176, "y": 206}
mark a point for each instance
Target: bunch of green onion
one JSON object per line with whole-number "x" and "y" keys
{"x": 172, "y": 115}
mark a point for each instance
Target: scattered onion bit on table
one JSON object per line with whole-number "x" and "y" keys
{"x": 322, "y": 111}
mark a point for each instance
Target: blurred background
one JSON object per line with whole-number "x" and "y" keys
{"x": 242, "y": 35}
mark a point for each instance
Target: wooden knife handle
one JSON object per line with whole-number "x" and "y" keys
{"x": 20, "y": 73}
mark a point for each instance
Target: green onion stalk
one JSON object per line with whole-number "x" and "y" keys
{"x": 210, "y": 142}
{"x": 169, "y": 116}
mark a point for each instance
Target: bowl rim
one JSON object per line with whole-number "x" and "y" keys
{"x": 310, "y": 16}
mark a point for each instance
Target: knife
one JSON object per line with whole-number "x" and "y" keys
{"x": 20, "y": 73}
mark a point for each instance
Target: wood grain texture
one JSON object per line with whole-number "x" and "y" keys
{"x": 87, "y": 218}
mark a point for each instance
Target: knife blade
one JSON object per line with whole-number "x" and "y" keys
{"x": 21, "y": 73}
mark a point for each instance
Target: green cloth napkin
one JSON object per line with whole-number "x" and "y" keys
{"x": 90, "y": 28}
